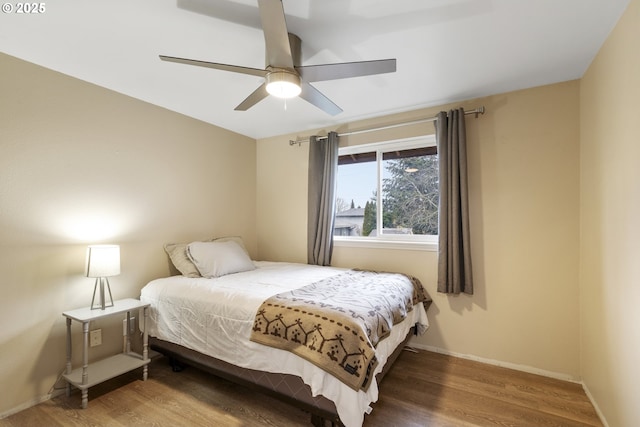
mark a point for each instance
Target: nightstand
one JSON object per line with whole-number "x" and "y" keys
{"x": 91, "y": 374}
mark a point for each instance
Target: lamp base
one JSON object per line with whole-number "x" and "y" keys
{"x": 102, "y": 303}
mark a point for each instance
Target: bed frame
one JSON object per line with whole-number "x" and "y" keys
{"x": 288, "y": 388}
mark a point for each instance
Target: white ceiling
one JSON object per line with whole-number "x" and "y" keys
{"x": 446, "y": 50}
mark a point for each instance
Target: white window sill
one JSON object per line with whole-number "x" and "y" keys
{"x": 430, "y": 245}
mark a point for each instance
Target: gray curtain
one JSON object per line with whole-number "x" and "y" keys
{"x": 454, "y": 252}
{"x": 323, "y": 166}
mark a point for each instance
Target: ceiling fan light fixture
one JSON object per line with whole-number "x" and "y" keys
{"x": 283, "y": 84}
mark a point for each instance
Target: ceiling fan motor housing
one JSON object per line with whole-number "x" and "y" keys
{"x": 283, "y": 83}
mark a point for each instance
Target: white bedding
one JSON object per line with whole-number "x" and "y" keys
{"x": 215, "y": 317}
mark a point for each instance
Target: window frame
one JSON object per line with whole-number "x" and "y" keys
{"x": 388, "y": 241}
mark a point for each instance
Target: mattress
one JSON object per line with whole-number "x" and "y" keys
{"x": 215, "y": 317}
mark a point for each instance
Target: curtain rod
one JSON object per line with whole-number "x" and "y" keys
{"x": 476, "y": 111}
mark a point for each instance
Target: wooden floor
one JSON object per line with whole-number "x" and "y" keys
{"x": 422, "y": 389}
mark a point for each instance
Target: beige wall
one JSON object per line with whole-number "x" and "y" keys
{"x": 554, "y": 207}
{"x": 610, "y": 224}
{"x": 524, "y": 179}
{"x": 78, "y": 165}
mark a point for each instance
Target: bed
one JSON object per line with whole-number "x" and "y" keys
{"x": 217, "y": 322}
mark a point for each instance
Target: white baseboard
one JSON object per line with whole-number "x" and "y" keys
{"x": 595, "y": 405}
{"x": 515, "y": 366}
{"x": 523, "y": 368}
{"x": 30, "y": 403}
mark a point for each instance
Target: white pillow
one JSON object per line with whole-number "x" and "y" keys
{"x": 180, "y": 259}
{"x": 215, "y": 259}
{"x": 236, "y": 239}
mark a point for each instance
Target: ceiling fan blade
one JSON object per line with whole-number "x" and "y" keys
{"x": 276, "y": 36}
{"x": 343, "y": 70}
{"x": 251, "y": 100}
{"x": 215, "y": 65}
{"x": 315, "y": 97}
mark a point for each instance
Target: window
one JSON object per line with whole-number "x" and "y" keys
{"x": 399, "y": 176}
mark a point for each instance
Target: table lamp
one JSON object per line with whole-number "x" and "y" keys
{"x": 103, "y": 261}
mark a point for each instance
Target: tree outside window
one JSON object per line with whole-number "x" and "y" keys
{"x": 407, "y": 182}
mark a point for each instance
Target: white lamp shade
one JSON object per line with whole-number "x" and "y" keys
{"x": 103, "y": 260}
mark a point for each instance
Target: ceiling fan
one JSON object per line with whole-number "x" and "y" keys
{"x": 283, "y": 74}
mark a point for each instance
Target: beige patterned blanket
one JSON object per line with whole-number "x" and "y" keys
{"x": 336, "y": 323}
